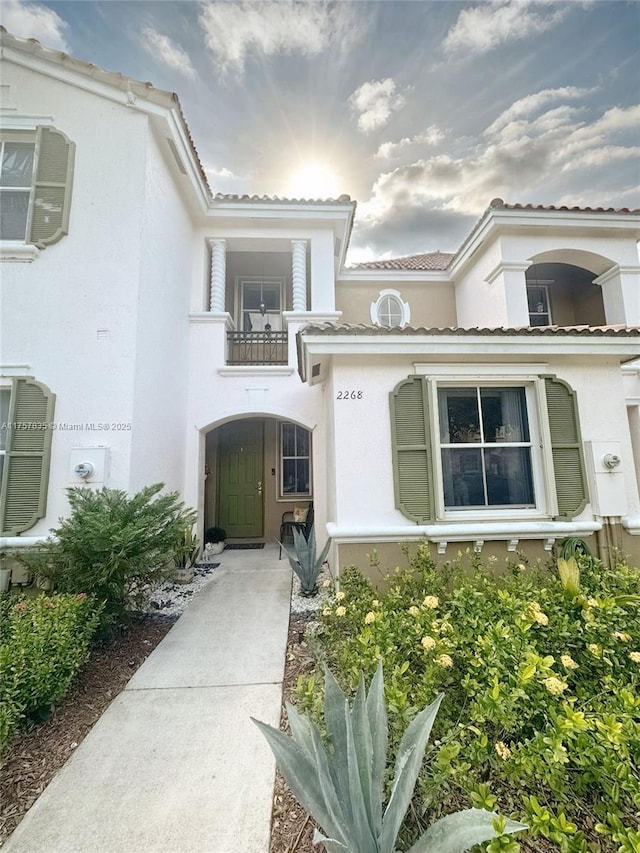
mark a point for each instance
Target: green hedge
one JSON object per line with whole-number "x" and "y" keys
{"x": 541, "y": 717}
{"x": 43, "y": 643}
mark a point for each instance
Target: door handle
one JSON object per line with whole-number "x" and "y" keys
{"x": 259, "y": 487}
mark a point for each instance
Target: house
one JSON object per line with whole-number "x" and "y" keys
{"x": 155, "y": 331}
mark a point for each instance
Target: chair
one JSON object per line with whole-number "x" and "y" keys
{"x": 288, "y": 524}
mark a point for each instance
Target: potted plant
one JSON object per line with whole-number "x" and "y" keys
{"x": 185, "y": 554}
{"x": 215, "y": 537}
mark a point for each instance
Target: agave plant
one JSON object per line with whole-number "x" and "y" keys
{"x": 341, "y": 784}
{"x": 303, "y": 560}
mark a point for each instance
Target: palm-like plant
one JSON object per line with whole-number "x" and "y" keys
{"x": 342, "y": 785}
{"x": 303, "y": 559}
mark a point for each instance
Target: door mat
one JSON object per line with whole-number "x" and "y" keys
{"x": 244, "y": 546}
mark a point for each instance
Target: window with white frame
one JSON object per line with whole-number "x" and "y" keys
{"x": 261, "y": 306}
{"x": 496, "y": 448}
{"x": 539, "y": 305}
{"x": 16, "y": 172}
{"x": 390, "y": 309}
{"x": 485, "y": 447}
{"x": 295, "y": 461}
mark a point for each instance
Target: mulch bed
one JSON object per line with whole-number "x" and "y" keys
{"x": 36, "y": 754}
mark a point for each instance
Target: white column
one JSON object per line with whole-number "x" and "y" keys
{"x": 621, "y": 294}
{"x": 218, "y": 275}
{"x": 511, "y": 308}
{"x": 299, "y": 274}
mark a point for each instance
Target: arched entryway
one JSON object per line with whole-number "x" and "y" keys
{"x": 561, "y": 289}
{"x": 256, "y": 468}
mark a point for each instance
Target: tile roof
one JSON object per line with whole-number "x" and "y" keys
{"x": 426, "y": 261}
{"x": 266, "y": 199}
{"x": 500, "y": 204}
{"x": 535, "y": 331}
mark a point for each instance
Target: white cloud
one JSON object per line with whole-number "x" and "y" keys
{"x": 532, "y": 103}
{"x": 31, "y": 20}
{"x": 431, "y": 136}
{"x": 233, "y": 30}
{"x": 490, "y": 24}
{"x": 522, "y": 159}
{"x": 167, "y": 52}
{"x": 375, "y": 101}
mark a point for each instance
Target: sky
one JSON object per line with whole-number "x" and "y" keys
{"x": 421, "y": 111}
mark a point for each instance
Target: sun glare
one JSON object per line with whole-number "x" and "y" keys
{"x": 313, "y": 180}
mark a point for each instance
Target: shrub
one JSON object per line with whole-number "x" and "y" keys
{"x": 113, "y": 546}
{"x": 541, "y": 711}
{"x": 43, "y": 643}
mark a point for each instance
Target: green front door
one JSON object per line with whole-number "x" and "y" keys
{"x": 241, "y": 478}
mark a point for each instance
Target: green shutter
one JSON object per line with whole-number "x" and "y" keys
{"x": 23, "y": 499}
{"x": 51, "y": 194}
{"x": 566, "y": 447}
{"x": 411, "y": 449}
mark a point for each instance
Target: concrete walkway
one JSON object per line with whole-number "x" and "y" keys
{"x": 175, "y": 765}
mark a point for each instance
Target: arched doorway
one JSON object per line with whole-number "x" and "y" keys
{"x": 563, "y": 295}
{"x": 257, "y": 468}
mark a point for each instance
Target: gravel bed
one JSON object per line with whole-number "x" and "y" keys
{"x": 172, "y": 599}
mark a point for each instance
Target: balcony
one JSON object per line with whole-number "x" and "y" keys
{"x": 257, "y": 348}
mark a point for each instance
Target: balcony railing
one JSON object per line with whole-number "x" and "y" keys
{"x": 257, "y": 348}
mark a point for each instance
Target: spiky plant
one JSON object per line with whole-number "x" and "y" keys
{"x": 341, "y": 784}
{"x": 303, "y": 559}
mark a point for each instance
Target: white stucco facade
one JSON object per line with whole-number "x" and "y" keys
{"x": 140, "y": 321}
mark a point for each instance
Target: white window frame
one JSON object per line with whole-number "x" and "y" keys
{"x": 473, "y": 376}
{"x": 293, "y": 496}
{"x": 24, "y": 137}
{"x": 542, "y": 285}
{"x": 241, "y": 281}
{"x": 405, "y": 310}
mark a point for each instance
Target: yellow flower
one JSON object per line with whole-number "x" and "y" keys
{"x": 340, "y": 596}
{"x": 375, "y": 603}
{"x": 554, "y": 685}
{"x": 326, "y": 584}
{"x": 592, "y": 602}
{"x": 533, "y": 613}
{"x": 341, "y": 611}
{"x": 428, "y": 643}
{"x": 503, "y": 750}
{"x": 568, "y": 662}
{"x": 414, "y": 611}
{"x": 431, "y": 601}
{"x": 370, "y": 617}
{"x": 445, "y": 661}
{"x": 326, "y": 611}
{"x": 635, "y": 656}
{"x": 446, "y": 627}
{"x": 594, "y": 648}
{"x": 541, "y": 618}
{"x": 620, "y": 635}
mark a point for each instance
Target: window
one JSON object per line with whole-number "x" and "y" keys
{"x": 485, "y": 447}
{"x": 261, "y": 306}
{"x": 538, "y": 300}
{"x": 16, "y": 169}
{"x": 459, "y": 449}
{"x": 390, "y": 310}
{"x": 36, "y": 171}
{"x": 295, "y": 461}
{"x": 26, "y": 409}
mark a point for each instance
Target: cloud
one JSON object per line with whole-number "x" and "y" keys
{"x": 234, "y": 30}
{"x": 537, "y": 159}
{"x": 165, "y": 51}
{"x": 431, "y": 136}
{"x": 483, "y": 27}
{"x": 31, "y": 20}
{"x": 532, "y": 103}
{"x": 375, "y": 101}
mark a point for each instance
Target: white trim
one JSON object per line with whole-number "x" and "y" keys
{"x": 491, "y": 370}
{"x": 506, "y": 266}
{"x": 631, "y": 524}
{"x": 616, "y": 270}
{"x": 457, "y": 532}
{"x": 22, "y": 541}
{"x": 18, "y": 253}
{"x": 390, "y": 293}
{"x": 213, "y": 317}
{"x": 293, "y": 497}
{"x": 9, "y": 121}
{"x": 256, "y": 370}
{"x": 11, "y": 370}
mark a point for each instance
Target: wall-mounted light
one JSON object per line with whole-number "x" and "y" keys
{"x": 263, "y": 308}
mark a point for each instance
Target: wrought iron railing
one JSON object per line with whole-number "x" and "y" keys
{"x": 257, "y": 348}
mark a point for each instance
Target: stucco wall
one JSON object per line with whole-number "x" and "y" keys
{"x": 71, "y": 314}
{"x": 432, "y": 303}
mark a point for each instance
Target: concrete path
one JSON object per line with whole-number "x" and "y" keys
{"x": 175, "y": 765}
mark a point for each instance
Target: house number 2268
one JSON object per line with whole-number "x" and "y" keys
{"x": 349, "y": 395}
